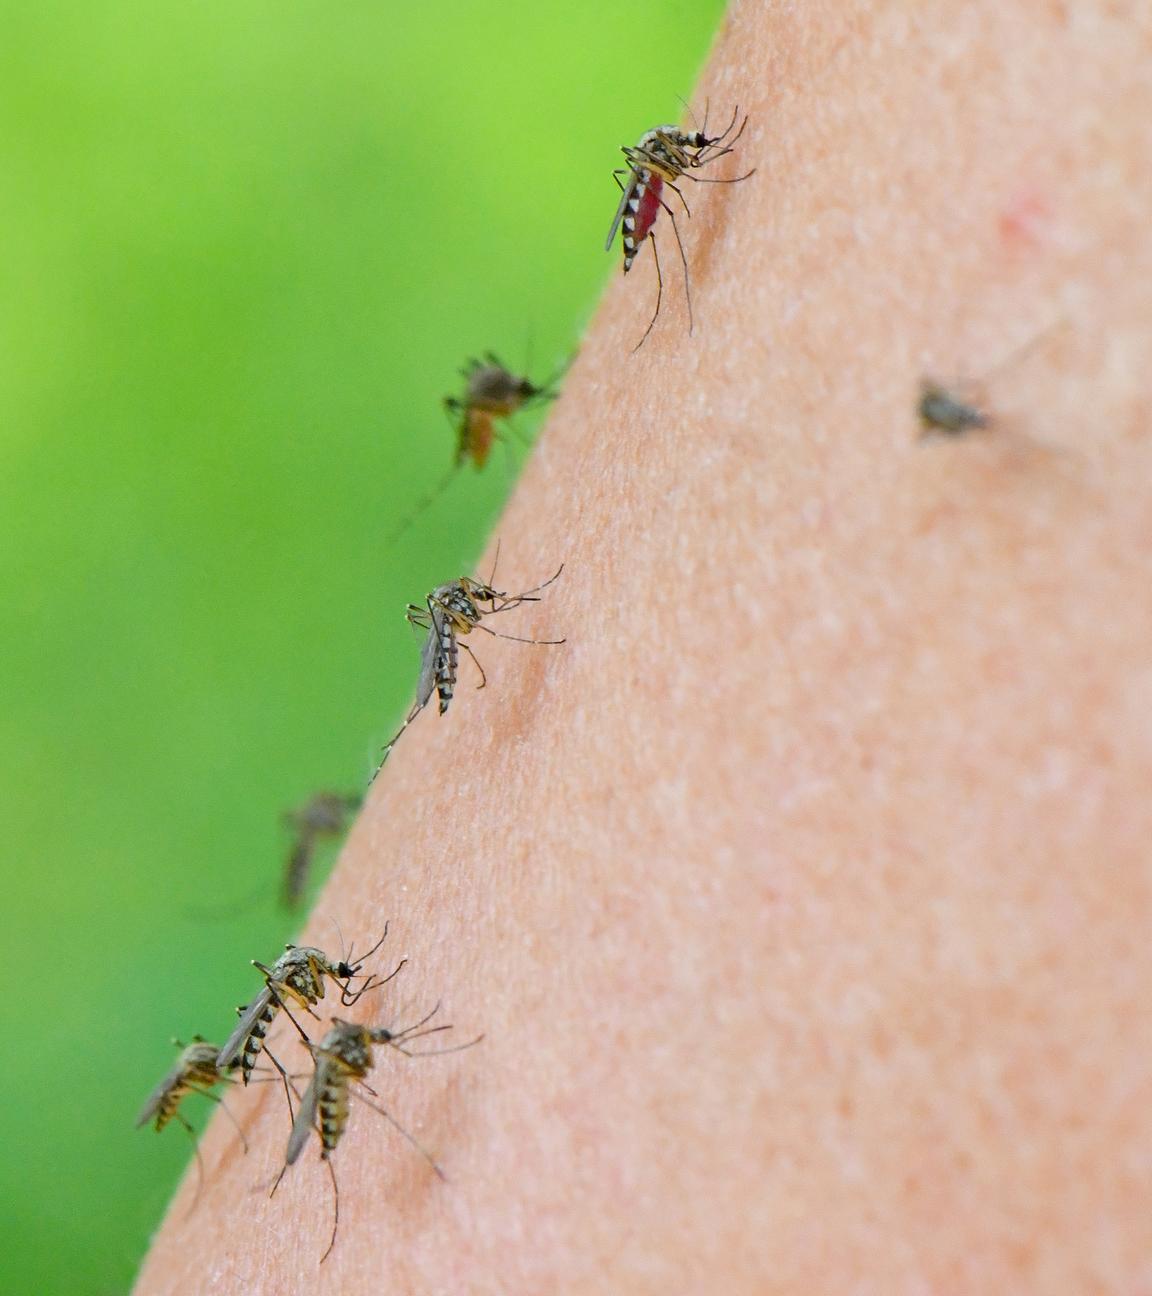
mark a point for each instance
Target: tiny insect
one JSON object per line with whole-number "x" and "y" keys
{"x": 941, "y": 410}
{"x": 298, "y": 976}
{"x": 195, "y": 1071}
{"x": 450, "y": 611}
{"x": 323, "y": 815}
{"x": 491, "y": 392}
{"x": 663, "y": 156}
{"x": 344, "y": 1057}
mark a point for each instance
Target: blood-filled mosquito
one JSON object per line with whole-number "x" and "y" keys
{"x": 663, "y": 156}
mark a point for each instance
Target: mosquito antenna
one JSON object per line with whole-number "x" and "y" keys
{"x": 536, "y": 588}
{"x": 688, "y": 109}
{"x": 456, "y": 1048}
{"x": 495, "y": 561}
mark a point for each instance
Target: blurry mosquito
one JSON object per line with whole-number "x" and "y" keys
{"x": 323, "y": 815}
{"x": 663, "y": 156}
{"x": 450, "y": 611}
{"x": 342, "y": 1057}
{"x": 195, "y": 1071}
{"x": 943, "y": 409}
{"x": 491, "y": 392}
{"x": 297, "y": 976}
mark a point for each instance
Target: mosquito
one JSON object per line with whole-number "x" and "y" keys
{"x": 663, "y": 156}
{"x": 195, "y": 1071}
{"x": 298, "y": 976}
{"x": 344, "y": 1057}
{"x": 449, "y": 612}
{"x": 491, "y": 392}
{"x": 942, "y": 409}
{"x": 323, "y": 815}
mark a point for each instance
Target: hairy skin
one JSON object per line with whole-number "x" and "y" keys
{"x": 804, "y": 894}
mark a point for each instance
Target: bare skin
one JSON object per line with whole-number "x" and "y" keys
{"x": 804, "y": 894}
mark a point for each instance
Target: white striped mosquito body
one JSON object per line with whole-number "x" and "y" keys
{"x": 344, "y": 1058}
{"x": 195, "y": 1071}
{"x": 451, "y": 611}
{"x": 491, "y": 392}
{"x": 663, "y": 156}
{"x": 297, "y": 977}
{"x": 321, "y": 816}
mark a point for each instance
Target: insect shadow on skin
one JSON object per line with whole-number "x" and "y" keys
{"x": 450, "y": 611}
{"x": 343, "y": 1059}
{"x": 491, "y": 392}
{"x": 297, "y": 977}
{"x": 663, "y": 156}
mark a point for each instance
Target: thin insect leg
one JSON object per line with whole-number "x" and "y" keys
{"x": 684, "y": 262}
{"x": 659, "y": 294}
{"x": 288, "y": 1089}
{"x": 276, "y": 1182}
{"x": 716, "y": 180}
{"x": 199, "y": 1162}
{"x": 515, "y": 639}
{"x": 411, "y": 1138}
{"x": 683, "y": 200}
{"x": 335, "y": 1207}
{"x": 387, "y": 751}
{"x": 225, "y": 1109}
{"x": 618, "y": 173}
{"x": 476, "y": 660}
{"x": 300, "y": 1029}
{"x": 426, "y": 501}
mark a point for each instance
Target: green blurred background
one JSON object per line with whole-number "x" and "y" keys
{"x": 244, "y": 249}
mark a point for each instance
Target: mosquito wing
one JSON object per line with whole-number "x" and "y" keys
{"x": 625, "y": 198}
{"x": 157, "y": 1096}
{"x": 429, "y": 659}
{"x": 234, "y": 1045}
{"x": 305, "y": 1121}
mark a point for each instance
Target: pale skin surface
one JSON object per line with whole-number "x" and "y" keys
{"x": 804, "y": 894}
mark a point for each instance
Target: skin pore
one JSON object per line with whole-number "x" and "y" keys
{"x": 803, "y": 895}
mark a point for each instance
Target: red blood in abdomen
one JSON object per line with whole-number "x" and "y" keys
{"x": 649, "y": 208}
